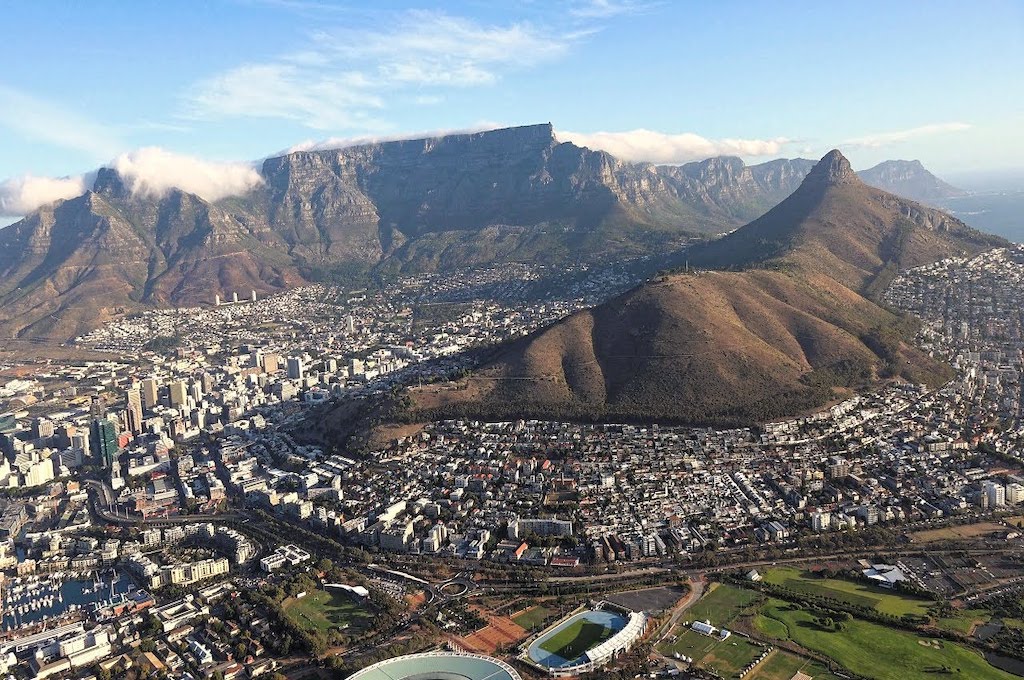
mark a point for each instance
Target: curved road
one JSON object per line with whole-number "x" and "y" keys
{"x": 107, "y": 499}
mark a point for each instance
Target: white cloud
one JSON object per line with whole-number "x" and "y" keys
{"x": 319, "y": 100}
{"x": 152, "y": 171}
{"x": 606, "y": 9}
{"x": 660, "y": 147}
{"x": 22, "y": 195}
{"x": 880, "y": 139}
{"x": 345, "y": 142}
{"x": 342, "y": 79}
{"x": 46, "y": 122}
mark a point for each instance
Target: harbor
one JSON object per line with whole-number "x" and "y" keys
{"x": 28, "y": 600}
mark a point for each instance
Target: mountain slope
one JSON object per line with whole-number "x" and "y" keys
{"x": 793, "y": 330}
{"x": 911, "y": 180}
{"x": 82, "y": 261}
{"x": 430, "y": 204}
{"x": 836, "y": 224}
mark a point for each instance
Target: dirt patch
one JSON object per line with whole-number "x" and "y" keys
{"x": 500, "y": 632}
{"x": 955, "y": 533}
{"x": 382, "y": 435}
{"x": 416, "y": 600}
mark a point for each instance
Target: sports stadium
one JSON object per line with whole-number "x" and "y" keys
{"x": 438, "y": 666}
{"x": 586, "y": 640}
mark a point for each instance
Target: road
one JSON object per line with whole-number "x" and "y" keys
{"x": 697, "y": 585}
{"x": 105, "y": 500}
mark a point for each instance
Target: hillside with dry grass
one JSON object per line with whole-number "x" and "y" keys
{"x": 779, "y": 318}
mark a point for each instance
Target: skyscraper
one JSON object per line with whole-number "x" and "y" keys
{"x": 150, "y": 393}
{"x": 103, "y": 436}
{"x": 296, "y": 371}
{"x": 179, "y": 392}
{"x": 134, "y": 411}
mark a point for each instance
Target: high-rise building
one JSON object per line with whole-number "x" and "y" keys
{"x": 296, "y": 370}
{"x": 97, "y": 409}
{"x": 271, "y": 362}
{"x": 821, "y": 521}
{"x": 42, "y": 428}
{"x": 179, "y": 393}
{"x": 1014, "y": 493}
{"x": 150, "y": 393}
{"x": 995, "y": 493}
{"x": 350, "y": 324}
{"x": 103, "y": 442}
{"x": 134, "y": 411}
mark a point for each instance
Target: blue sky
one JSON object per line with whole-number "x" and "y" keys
{"x": 90, "y": 83}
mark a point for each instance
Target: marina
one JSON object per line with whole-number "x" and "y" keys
{"x": 27, "y": 600}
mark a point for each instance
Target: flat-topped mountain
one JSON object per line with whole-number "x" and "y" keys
{"x": 779, "y": 319}
{"x": 429, "y": 204}
{"x": 911, "y": 180}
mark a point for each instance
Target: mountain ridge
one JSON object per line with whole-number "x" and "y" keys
{"x": 412, "y": 205}
{"x": 432, "y": 204}
{"x": 781, "y": 317}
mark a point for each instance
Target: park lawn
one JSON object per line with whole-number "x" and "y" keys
{"x": 783, "y": 666}
{"x": 773, "y": 628}
{"x": 321, "y": 610}
{"x": 875, "y": 651}
{"x": 731, "y": 656}
{"x": 572, "y": 641}
{"x": 859, "y": 594}
{"x": 533, "y": 617}
{"x": 722, "y": 604}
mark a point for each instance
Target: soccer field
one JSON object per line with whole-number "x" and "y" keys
{"x": 573, "y": 640}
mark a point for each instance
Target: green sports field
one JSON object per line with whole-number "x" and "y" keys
{"x": 781, "y": 665}
{"x": 532, "y": 618}
{"x": 572, "y": 641}
{"x": 321, "y": 610}
{"x": 722, "y": 605}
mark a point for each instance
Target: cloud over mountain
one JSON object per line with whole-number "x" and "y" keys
{"x": 22, "y": 195}
{"x": 661, "y": 147}
{"x": 153, "y": 171}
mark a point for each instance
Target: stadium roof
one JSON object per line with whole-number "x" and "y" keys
{"x": 438, "y": 666}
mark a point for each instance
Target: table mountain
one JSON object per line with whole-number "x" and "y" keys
{"x": 779, "y": 317}
{"x": 426, "y": 204}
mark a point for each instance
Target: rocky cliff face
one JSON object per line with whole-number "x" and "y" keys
{"x": 513, "y": 194}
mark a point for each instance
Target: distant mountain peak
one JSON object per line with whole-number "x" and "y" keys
{"x": 910, "y": 179}
{"x": 832, "y": 169}
{"x": 109, "y": 182}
